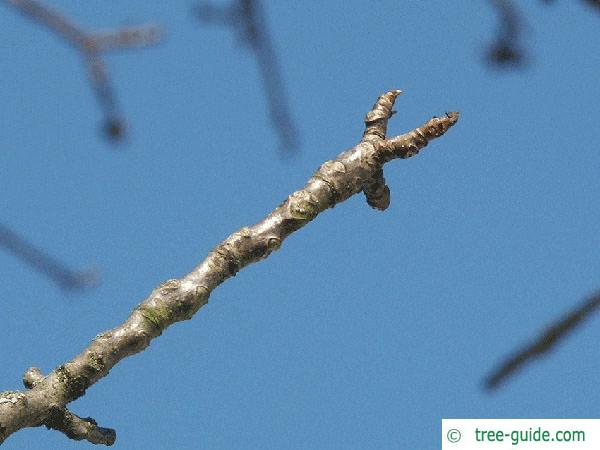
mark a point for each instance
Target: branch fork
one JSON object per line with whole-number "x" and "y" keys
{"x": 92, "y": 46}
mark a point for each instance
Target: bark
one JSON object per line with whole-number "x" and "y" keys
{"x": 357, "y": 169}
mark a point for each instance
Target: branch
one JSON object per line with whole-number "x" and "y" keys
{"x": 506, "y": 51}
{"x": 42, "y": 262}
{"x": 177, "y": 300}
{"x": 91, "y": 45}
{"x": 61, "y": 419}
{"x": 544, "y": 343}
{"x": 248, "y": 19}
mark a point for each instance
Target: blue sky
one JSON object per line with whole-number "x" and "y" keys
{"x": 366, "y": 328}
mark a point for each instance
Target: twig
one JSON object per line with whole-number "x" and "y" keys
{"x": 554, "y": 334}
{"x": 44, "y": 263}
{"x": 63, "y": 420}
{"x": 177, "y": 300}
{"x": 91, "y": 46}
{"x": 506, "y": 50}
{"x": 248, "y": 19}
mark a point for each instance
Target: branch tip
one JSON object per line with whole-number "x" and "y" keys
{"x": 453, "y": 116}
{"x": 382, "y": 109}
{"x": 79, "y": 429}
{"x": 409, "y": 144}
{"x": 376, "y": 119}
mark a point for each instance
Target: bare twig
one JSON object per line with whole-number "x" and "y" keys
{"x": 44, "y": 263}
{"x": 544, "y": 343}
{"x": 248, "y": 19}
{"x": 506, "y": 50}
{"x": 179, "y": 299}
{"x": 91, "y": 46}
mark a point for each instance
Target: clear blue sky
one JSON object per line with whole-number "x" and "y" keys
{"x": 366, "y": 328}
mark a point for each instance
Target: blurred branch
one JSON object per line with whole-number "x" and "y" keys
{"x": 248, "y": 19}
{"x": 593, "y": 3}
{"x": 44, "y": 263}
{"x": 91, "y": 46}
{"x": 506, "y": 50}
{"x": 554, "y": 334}
{"x": 179, "y": 299}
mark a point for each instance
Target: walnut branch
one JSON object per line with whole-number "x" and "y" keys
{"x": 179, "y": 299}
{"x": 91, "y": 45}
